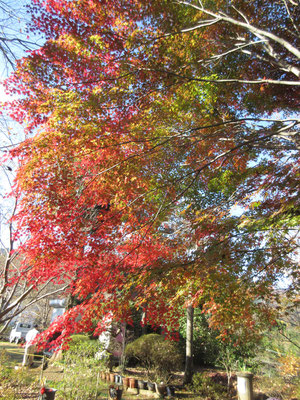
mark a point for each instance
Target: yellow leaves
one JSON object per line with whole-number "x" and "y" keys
{"x": 69, "y": 42}
{"x": 245, "y": 221}
{"x": 289, "y": 365}
{"x": 97, "y": 40}
{"x": 204, "y": 217}
{"x": 186, "y": 209}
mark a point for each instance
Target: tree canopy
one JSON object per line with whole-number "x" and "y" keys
{"x": 149, "y": 124}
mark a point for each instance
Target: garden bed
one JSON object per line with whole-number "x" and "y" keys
{"x": 16, "y": 384}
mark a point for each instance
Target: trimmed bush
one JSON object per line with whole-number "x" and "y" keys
{"x": 156, "y": 354}
{"x": 77, "y": 339}
{"x": 81, "y": 347}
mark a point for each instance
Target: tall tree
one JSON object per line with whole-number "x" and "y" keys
{"x": 144, "y": 110}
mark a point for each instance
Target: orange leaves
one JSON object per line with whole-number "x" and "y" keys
{"x": 135, "y": 131}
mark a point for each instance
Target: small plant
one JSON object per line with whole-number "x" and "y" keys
{"x": 5, "y": 369}
{"x": 81, "y": 379}
{"x": 205, "y": 387}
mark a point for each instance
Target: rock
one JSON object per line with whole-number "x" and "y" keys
{"x": 57, "y": 356}
{"x": 260, "y": 396}
{"x": 273, "y": 398}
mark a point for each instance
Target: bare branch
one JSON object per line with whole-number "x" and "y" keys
{"x": 241, "y": 81}
{"x": 257, "y": 31}
{"x": 233, "y": 50}
{"x": 289, "y": 13}
{"x": 16, "y": 302}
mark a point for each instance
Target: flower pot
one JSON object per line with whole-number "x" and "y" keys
{"x": 132, "y": 383}
{"x": 170, "y": 391}
{"x": 112, "y": 378}
{"x": 161, "y": 389}
{"x": 141, "y": 384}
{"x": 107, "y": 375}
{"x": 151, "y": 386}
{"x": 125, "y": 380}
{"x": 103, "y": 375}
{"x": 48, "y": 394}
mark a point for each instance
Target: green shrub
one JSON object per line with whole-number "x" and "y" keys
{"x": 82, "y": 350}
{"x": 156, "y": 354}
{"x": 81, "y": 370}
{"x": 76, "y": 340}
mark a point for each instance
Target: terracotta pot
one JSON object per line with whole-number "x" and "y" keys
{"x": 107, "y": 375}
{"x": 132, "y": 383}
{"x": 112, "y": 378}
{"x": 125, "y": 380}
{"x": 103, "y": 375}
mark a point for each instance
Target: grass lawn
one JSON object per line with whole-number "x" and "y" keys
{"x": 14, "y": 351}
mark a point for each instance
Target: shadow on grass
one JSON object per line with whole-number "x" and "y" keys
{"x": 14, "y": 351}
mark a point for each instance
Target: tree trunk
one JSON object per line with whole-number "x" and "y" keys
{"x": 123, "y": 358}
{"x": 144, "y": 326}
{"x": 188, "y": 373}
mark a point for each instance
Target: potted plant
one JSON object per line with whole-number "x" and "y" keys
{"x": 119, "y": 392}
{"x": 115, "y": 393}
{"x": 133, "y": 383}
